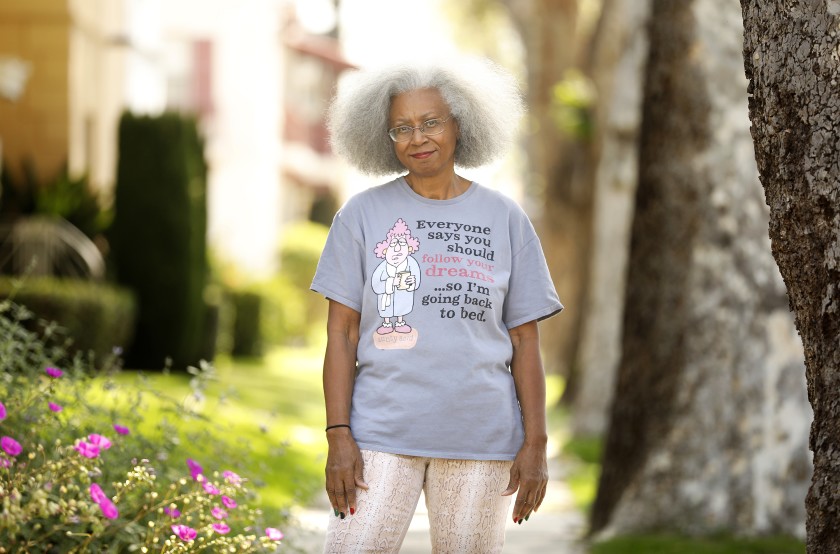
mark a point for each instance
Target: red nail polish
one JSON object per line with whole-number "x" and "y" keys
{"x": 352, "y": 511}
{"x": 515, "y": 520}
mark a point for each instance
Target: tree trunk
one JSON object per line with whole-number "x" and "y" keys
{"x": 791, "y": 61}
{"x": 618, "y": 65}
{"x": 707, "y": 427}
{"x": 554, "y": 167}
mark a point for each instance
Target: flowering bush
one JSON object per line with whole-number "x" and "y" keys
{"x": 76, "y": 477}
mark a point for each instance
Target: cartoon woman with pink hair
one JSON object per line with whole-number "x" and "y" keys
{"x": 396, "y": 278}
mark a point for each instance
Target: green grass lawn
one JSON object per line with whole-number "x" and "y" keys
{"x": 269, "y": 410}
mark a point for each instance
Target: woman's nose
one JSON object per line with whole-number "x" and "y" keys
{"x": 417, "y": 133}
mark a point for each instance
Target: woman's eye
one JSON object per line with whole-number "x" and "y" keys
{"x": 404, "y": 130}
{"x": 431, "y": 124}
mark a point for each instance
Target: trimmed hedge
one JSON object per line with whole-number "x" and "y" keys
{"x": 158, "y": 237}
{"x": 97, "y": 317}
{"x": 247, "y": 336}
{"x": 298, "y": 253}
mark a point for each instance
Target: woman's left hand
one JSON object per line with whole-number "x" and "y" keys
{"x": 529, "y": 474}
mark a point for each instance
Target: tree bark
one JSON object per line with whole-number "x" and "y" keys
{"x": 618, "y": 64}
{"x": 706, "y": 432}
{"x": 791, "y": 61}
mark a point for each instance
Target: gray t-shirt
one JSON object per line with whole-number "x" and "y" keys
{"x": 438, "y": 284}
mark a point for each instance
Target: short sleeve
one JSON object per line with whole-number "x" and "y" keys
{"x": 340, "y": 274}
{"x": 531, "y": 295}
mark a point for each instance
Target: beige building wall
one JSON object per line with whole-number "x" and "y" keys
{"x": 70, "y": 107}
{"x": 96, "y": 89}
{"x": 37, "y": 125}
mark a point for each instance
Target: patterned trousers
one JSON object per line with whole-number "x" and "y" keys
{"x": 466, "y": 509}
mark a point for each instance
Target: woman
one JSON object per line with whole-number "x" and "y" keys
{"x": 432, "y": 374}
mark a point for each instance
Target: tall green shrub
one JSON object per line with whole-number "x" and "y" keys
{"x": 158, "y": 235}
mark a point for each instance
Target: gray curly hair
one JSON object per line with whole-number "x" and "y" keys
{"x": 484, "y": 98}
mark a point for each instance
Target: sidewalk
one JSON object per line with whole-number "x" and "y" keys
{"x": 555, "y": 529}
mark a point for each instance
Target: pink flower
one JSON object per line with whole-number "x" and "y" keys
{"x": 102, "y": 443}
{"x": 231, "y": 477}
{"x": 54, "y": 372}
{"x": 108, "y": 509}
{"x": 5, "y": 462}
{"x": 229, "y": 502}
{"x": 273, "y": 534}
{"x": 10, "y": 446}
{"x": 221, "y": 528}
{"x": 87, "y": 450}
{"x": 172, "y": 512}
{"x": 195, "y": 468}
{"x": 218, "y": 513}
{"x": 209, "y": 488}
{"x": 184, "y": 533}
{"x": 55, "y": 407}
{"x": 2, "y": 411}
{"x": 121, "y": 430}
{"x": 97, "y": 494}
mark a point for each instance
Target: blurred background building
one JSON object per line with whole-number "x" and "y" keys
{"x": 227, "y": 62}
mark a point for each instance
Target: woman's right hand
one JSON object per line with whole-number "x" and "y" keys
{"x": 344, "y": 471}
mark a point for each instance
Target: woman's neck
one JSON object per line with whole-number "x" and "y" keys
{"x": 438, "y": 188}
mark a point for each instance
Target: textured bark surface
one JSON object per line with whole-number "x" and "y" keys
{"x": 618, "y": 74}
{"x": 708, "y": 427}
{"x": 792, "y": 60}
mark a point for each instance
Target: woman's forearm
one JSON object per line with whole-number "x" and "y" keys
{"x": 340, "y": 362}
{"x": 529, "y": 379}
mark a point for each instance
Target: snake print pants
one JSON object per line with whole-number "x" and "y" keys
{"x": 466, "y": 510}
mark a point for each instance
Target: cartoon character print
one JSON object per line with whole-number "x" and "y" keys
{"x": 396, "y": 278}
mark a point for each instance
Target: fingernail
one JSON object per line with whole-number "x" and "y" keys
{"x": 342, "y": 515}
{"x": 352, "y": 511}
{"x": 526, "y": 517}
{"x": 516, "y": 520}
{"x": 336, "y": 512}
{"x": 520, "y": 521}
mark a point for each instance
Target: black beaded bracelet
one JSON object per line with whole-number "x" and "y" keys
{"x": 335, "y": 426}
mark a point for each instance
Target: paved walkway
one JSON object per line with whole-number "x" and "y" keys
{"x": 555, "y": 529}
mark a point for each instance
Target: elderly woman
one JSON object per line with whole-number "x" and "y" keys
{"x": 432, "y": 374}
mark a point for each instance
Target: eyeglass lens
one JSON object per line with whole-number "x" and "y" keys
{"x": 429, "y": 128}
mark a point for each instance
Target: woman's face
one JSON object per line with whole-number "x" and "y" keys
{"x": 422, "y": 155}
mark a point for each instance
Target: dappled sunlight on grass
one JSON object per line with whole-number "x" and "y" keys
{"x": 270, "y": 410}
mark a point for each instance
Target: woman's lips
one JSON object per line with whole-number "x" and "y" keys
{"x": 422, "y": 155}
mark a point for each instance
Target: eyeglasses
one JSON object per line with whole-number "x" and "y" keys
{"x": 429, "y": 128}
